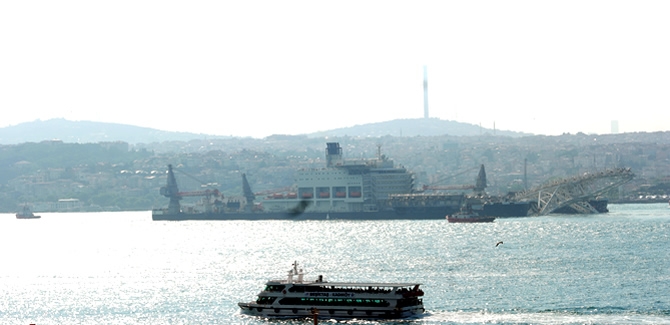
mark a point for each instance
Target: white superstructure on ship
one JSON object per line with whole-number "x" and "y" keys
{"x": 356, "y": 185}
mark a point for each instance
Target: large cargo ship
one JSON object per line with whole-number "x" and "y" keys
{"x": 360, "y": 189}
{"x": 357, "y": 189}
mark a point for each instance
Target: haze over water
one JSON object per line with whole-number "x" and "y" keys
{"x": 123, "y": 268}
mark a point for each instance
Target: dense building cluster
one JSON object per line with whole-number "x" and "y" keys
{"x": 130, "y": 176}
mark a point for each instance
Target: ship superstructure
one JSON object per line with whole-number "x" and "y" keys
{"x": 359, "y": 185}
{"x": 365, "y": 189}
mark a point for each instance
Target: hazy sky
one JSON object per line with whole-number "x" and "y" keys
{"x": 256, "y": 68}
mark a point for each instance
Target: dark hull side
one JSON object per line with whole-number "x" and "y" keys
{"x": 408, "y": 214}
{"x": 599, "y": 205}
{"x": 470, "y": 220}
{"x": 27, "y": 217}
{"x": 427, "y": 212}
{"x": 506, "y": 210}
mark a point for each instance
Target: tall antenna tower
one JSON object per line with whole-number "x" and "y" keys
{"x": 425, "y": 92}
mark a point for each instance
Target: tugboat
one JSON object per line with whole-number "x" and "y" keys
{"x": 295, "y": 297}
{"x": 469, "y": 216}
{"x": 26, "y": 213}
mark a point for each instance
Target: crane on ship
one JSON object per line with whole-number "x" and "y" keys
{"x": 575, "y": 192}
{"x": 248, "y": 193}
{"x": 171, "y": 191}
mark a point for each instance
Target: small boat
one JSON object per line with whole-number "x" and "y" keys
{"x": 26, "y": 213}
{"x": 469, "y": 217}
{"x": 295, "y": 297}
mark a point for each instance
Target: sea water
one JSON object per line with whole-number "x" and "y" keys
{"x": 124, "y": 268}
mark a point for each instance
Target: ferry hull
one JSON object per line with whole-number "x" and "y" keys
{"x": 326, "y": 312}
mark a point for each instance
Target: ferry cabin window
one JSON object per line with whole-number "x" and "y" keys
{"x": 409, "y": 302}
{"x": 338, "y": 289}
{"x": 335, "y": 302}
{"x": 297, "y": 289}
{"x": 266, "y": 300}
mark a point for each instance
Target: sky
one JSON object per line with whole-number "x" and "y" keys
{"x": 258, "y": 68}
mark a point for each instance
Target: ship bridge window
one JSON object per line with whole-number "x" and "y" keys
{"x": 274, "y": 288}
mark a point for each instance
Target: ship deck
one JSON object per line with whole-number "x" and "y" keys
{"x": 348, "y": 284}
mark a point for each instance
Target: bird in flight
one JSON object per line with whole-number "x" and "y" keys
{"x": 499, "y": 243}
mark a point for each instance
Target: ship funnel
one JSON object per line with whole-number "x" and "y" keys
{"x": 333, "y": 154}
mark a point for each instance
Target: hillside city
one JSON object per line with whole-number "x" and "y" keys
{"x": 108, "y": 176}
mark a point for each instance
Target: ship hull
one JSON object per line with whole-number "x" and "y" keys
{"x": 599, "y": 205}
{"x": 433, "y": 212}
{"x": 376, "y": 215}
{"x": 27, "y": 217}
{"x": 506, "y": 210}
{"x": 497, "y": 210}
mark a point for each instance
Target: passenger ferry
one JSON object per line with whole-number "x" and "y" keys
{"x": 295, "y": 297}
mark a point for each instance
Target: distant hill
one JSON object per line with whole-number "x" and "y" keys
{"x": 89, "y": 132}
{"x": 93, "y": 132}
{"x": 415, "y": 127}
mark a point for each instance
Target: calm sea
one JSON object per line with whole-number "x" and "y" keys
{"x": 123, "y": 268}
